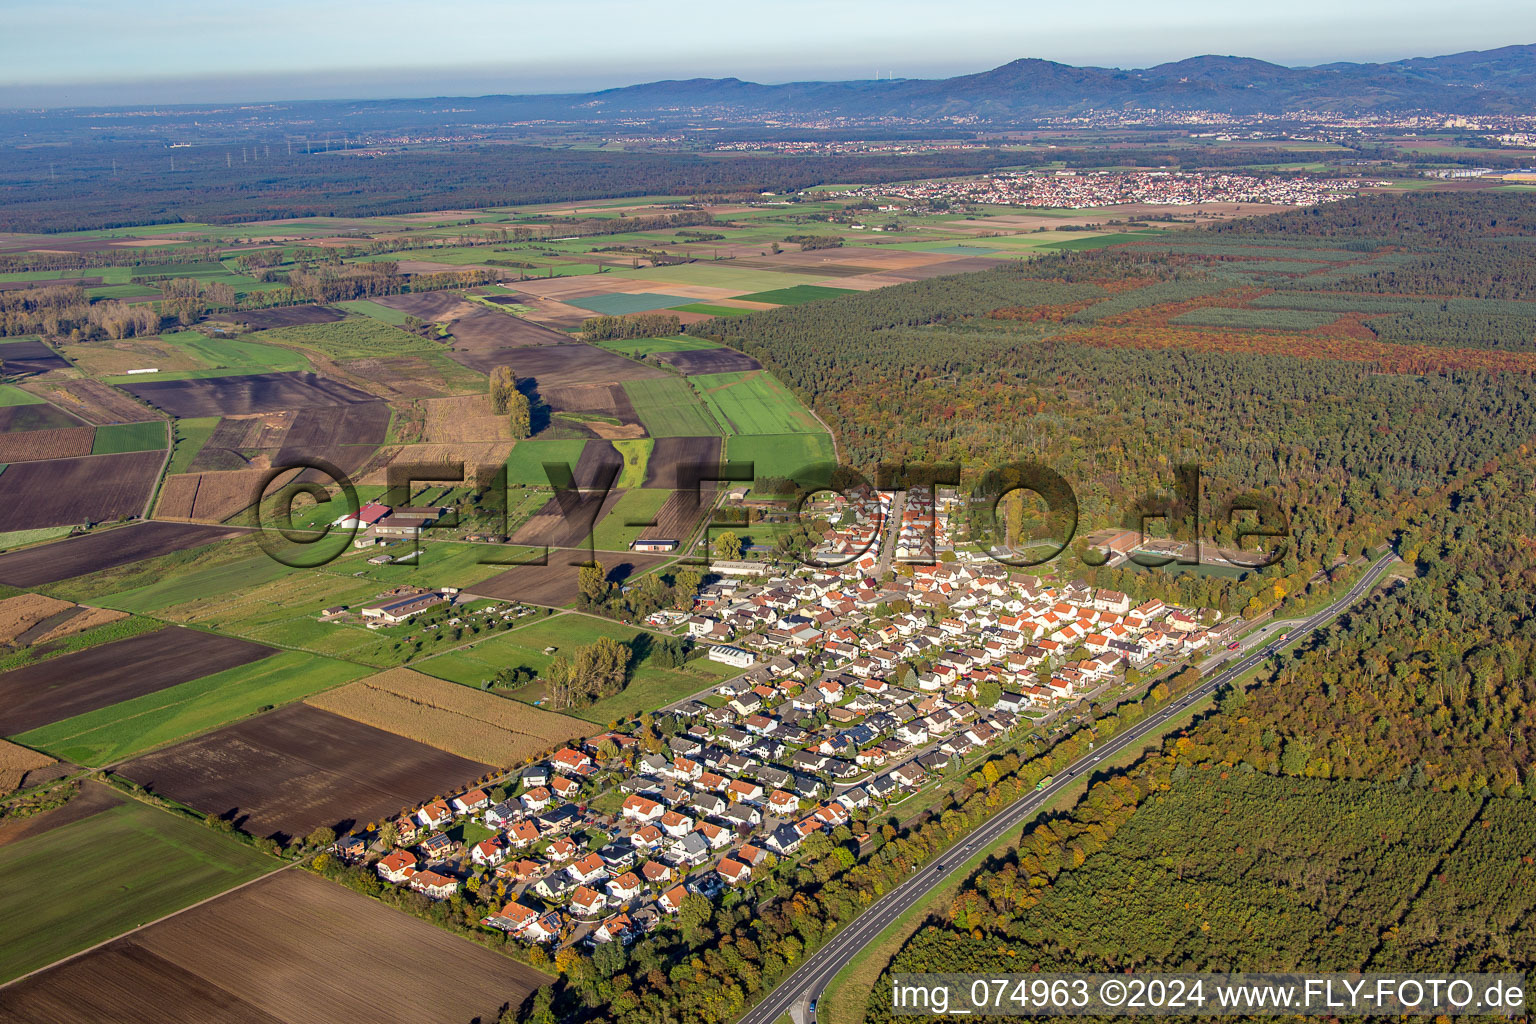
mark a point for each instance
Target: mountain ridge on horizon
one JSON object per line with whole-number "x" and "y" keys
{"x": 1496, "y": 81}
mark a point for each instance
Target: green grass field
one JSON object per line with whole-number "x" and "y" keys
{"x": 754, "y": 402}
{"x": 113, "y": 733}
{"x": 648, "y": 687}
{"x": 622, "y": 303}
{"x": 190, "y": 436}
{"x": 90, "y": 880}
{"x": 779, "y": 455}
{"x": 19, "y": 538}
{"x": 712, "y": 275}
{"x": 709, "y": 309}
{"x": 645, "y": 346}
{"x": 231, "y": 353}
{"x": 670, "y": 408}
{"x": 377, "y": 311}
{"x": 526, "y": 463}
{"x": 111, "y": 632}
{"x": 201, "y": 583}
{"x": 129, "y": 437}
{"x": 636, "y": 506}
{"x": 354, "y": 336}
{"x": 795, "y": 295}
{"x": 1097, "y": 241}
{"x": 637, "y": 454}
{"x": 10, "y": 395}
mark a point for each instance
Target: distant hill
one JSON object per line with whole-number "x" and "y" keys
{"x": 1476, "y": 82}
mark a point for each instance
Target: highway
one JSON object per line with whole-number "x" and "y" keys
{"x": 808, "y": 981}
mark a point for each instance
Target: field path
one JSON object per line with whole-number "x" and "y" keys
{"x": 170, "y": 446}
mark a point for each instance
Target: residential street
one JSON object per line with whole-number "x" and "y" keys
{"x": 795, "y": 993}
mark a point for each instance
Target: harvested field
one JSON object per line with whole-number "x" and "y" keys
{"x": 91, "y": 400}
{"x": 597, "y": 464}
{"x": 963, "y": 265}
{"x": 16, "y": 762}
{"x": 567, "y": 522}
{"x": 438, "y": 307}
{"x": 32, "y": 418}
{"x": 467, "y": 418}
{"x": 291, "y": 948}
{"x": 607, "y": 400}
{"x": 464, "y": 721}
{"x": 113, "y": 357}
{"x": 33, "y": 445}
{"x": 84, "y": 619}
{"x": 251, "y": 393}
{"x": 29, "y": 357}
{"x": 708, "y": 360}
{"x": 296, "y": 769}
{"x": 93, "y": 798}
{"x": 97, "y": 677}
{"x": 492, "y": 454}
{"x": 486, "y": 330}
{"x": 359, "y": 423}
{"x": 236, "y": 435}
{"x": 210, "y": 497}
{"x": 287, "y": 316}
{"x": 349, "y": 458}
{"x": 679, "y": 515}
{"x": 259, "y": 430}
{"x": 560, "y": 365}
{"x": 669, "y": 453}
{"x": 423, "y": 375}
{"x": 104, "y": 549}
{"x": 555, "y": 584}
{"x": 20, "y": 613}
{"x": 66, "y": 492}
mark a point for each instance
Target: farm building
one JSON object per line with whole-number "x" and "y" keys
{"x": 652, "y": 544}
{"x": 399, "y": 609}
{"x": 733, "y": 656}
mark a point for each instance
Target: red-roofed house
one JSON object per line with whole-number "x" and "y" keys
{"x": 512, "y": 918}
{"x": 588, "y": 902}
{"x": 641, "y": 809}
{"x": 671, "y": 901}
{"x": 734, "y": 871}
{"x": 626, "y": 887}
{"x": 488, "y": 851}
{"x": 432, "y": 884}
{"x": 474, "y": 800}
{"x": 397, "y": 867}
{"x": 435, "y": 815}
{"x": 589, "y": 869}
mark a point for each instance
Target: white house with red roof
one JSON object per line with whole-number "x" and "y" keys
{"x": 397, "y": 867}
{"x": 671, "y": 901}
{"x": 641, "y": 809}
{"x": 512, "y": 918}
{"x": 588, "y": 902}
{"x": 488, "y": 851}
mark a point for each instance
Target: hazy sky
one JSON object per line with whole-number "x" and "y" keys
{"x": 167, "y": 51}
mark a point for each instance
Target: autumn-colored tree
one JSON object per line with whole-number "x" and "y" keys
{"x": 503, "y": 385}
